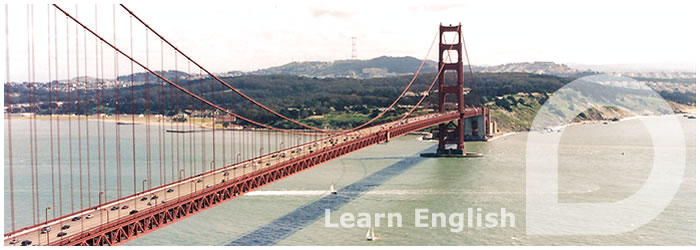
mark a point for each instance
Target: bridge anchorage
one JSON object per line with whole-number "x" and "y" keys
{"x": 474, "y": 122}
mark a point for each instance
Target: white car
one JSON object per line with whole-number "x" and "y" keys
{"x": 89, "y": 216}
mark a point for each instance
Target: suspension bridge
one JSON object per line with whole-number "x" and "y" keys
{"x": 121, "y": 130}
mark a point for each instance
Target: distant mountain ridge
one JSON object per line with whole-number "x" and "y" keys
{"x": 668, "y": 67}
{"x": 540, "y": 68}
{"x": 141, "y": 76}
{"x": 383, "y": 66}
{"x": 386, "y": 66}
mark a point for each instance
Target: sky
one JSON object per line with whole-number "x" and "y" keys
{"x": 248, "y": 35}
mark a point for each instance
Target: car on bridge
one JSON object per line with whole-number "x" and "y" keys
{"x": 114, "y": 208}
{"x": 45, "y": 229}
{"x": 26, "y": 243}
{"x": 125, "y": 206}
{"x": 154, "y": 197}
{"x": 170, "y": 190}
{"x": 65, "y": 227}
{"x": 89, "y": 216}
{"x": 61, "y": 234}
{"x": 133, "y": 211}
{"x": 144, "y": 198}
{"x": 76, "y": 218}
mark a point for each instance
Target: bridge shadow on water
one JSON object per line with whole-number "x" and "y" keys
{"x": 290, "y": 223}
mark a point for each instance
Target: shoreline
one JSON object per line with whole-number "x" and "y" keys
{"x": 199, "y": 126}
{"x": 503, "y": 135}
{"x": 559, "y": 128}
{"x": 112, "y": 119}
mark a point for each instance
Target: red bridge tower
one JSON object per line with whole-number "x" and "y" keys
{"x": 450, "y": 133}
{"x": 451, "y": 86}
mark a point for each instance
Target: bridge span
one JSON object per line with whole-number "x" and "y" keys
{"x": 112, "y": 223}
{"x": 80, "y": 99}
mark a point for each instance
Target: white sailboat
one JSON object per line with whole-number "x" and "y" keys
{"x": 332, "y": 189}
{"x": 370, "y": 234}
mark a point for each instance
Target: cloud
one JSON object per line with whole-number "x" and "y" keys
{"x": 439, "y": 7}
{"x": 331, "y": 13}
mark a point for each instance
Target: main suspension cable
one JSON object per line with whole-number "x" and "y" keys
{"x": 117, "y": 50}
{"x": 394, "y": 123}
{"x": 274, "y": 112}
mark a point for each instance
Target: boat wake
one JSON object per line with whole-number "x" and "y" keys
{"x": 401, "y": 192}
{"x": 288, "y": 193}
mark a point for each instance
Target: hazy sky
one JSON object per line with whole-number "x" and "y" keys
{"x": 249, "y": 35}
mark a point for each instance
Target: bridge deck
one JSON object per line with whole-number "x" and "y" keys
{"x": 191, "y": 195}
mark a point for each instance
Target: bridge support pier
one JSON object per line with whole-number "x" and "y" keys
{"x": 477, "y": 128}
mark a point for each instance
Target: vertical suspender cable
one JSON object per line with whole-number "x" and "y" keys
{"x": 234, "y": 139}
{"x": 191, "y": 122}
{"x": 51, "y": 110}
{"x": 87, "y": 116}
{"x": 8, "y": 100}
{"x": 223, "y": 137}
{"x": 213, "y": 130}
{"x": 201, "y": 121}
{"x": 184, "y": 122}
{"x": 116, "y": 107}
{"x": 104, "y": 130}
{"x": 471, "y": 72}
{"x": 149, "y": 176}
{"x": 133, "y": 108}
{"x": 78, "y": 111}
{"x": 172, "y": 147}
{"x": 70, "y": 126}
{"x": 101, "y": 112}
{"x": 58, "y": 121}
{"x": 161, "y": 137}
{"x": 269, "y": 146}
{"x": 177, "y": 107}
{"x": 33, "y": 120}
{"x": 31, "y": 130}
{"x": 240, "y": 132}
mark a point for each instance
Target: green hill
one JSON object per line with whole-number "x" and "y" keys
{"x": 377, "y": 67}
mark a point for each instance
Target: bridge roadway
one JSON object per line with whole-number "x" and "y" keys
{"x": 160, "y": 196}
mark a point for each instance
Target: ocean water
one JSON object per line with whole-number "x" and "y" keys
{"x": 194, "y": 153}
{"x": 392, "y": 178}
